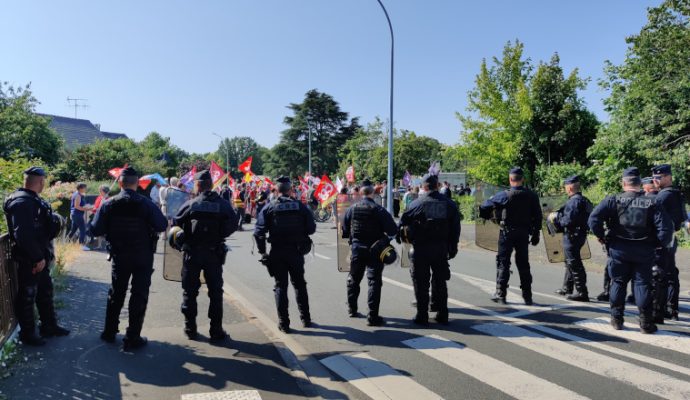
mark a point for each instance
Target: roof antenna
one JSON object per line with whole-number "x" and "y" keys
{"x": 75, "y": 103}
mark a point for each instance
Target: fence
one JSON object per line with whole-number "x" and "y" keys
{"x": 8, "y": 291}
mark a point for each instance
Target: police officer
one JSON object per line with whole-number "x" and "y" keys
{"x": 671, "y": 200}
{"x": 32, "y": 226}
{"x": 520, "y": 218}
{"x": 433, "y": 222}
{"x": 206, "y": 221}
{"x": 130, "y": 223}
{"x": 632, "y": 226}
{"x": 288, "y": 223}
{"x": 364, "y": 224}
{"x": 572, "y": 220}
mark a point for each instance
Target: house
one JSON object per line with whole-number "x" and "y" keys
{"x": 78, "y": 132}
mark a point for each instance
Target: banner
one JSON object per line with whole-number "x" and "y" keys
{"x": 248, "y": 177}
{"x": 217, "y": 174}
{"x": 188, "y": 179}
{"x": 246, "y": 166}
{"x": 435, "y": 168}
{"x": 115, "y": 172}
{"x": 350, "y": 174}
{"x": 325, "y": 192}
{"x": 303, "y": 185}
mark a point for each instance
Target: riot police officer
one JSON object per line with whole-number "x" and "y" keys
{"x": 131, "y": 223}
{"x": 366, "y": 223}
{"x": 632, "y": 226}
{"x": 433, "y": 222}
{"x": 572, "y": 221}
{"x": 288, "y": 223}
{"x": 206, "y": 221}
{"x": 519, "y": 214}
{"x": 32, "y": 226}
{"x": 671, "y": 200}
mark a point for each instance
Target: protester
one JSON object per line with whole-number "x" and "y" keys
{"x": 78, "y": 209}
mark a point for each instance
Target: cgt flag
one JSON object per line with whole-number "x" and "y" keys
{"x": 246, "y": 166}
{"x": 217, "y": 174}
{"x": 326, "y": 191}
{"x": 115, "y": 172}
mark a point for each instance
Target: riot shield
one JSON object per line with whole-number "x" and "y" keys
{"x": 172, "y": 264}
{"x": 174, "y": 199}
{"x": 342, "y": 203}
{"x": 405, "y": 261}
{"x": 553, "y": 242}
{"x": 486, "y": 231}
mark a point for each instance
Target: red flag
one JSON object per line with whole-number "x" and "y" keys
{"x": 303, "y": 184}
{"x": 246, "y": 166}
{"x": 217, "y": 174}
{"x": 326, "y": 190}
{"x": 350, "y": 174}
{"x": 268, "y": 181}
{"x": 115, "y": 172}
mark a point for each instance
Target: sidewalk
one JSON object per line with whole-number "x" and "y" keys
{"x": 81, "y": 366}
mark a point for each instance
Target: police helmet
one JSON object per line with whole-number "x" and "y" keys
{"x": 176, "y": 237}
{"x": 383, "y": 251}
{"x": 58, "y": 224}
{"x": 410, "y": 254}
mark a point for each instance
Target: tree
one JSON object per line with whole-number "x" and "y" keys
{"x": 159, "y": 155}
{"x": 649, "y": 102}
{"x": 22, "y": 132}
{"x": 320, "y": 115}
{"x": 238, "y": 149}
{"x": 93, "y": 161}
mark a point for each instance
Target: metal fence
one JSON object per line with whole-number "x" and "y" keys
{"x": 8, "y": 290}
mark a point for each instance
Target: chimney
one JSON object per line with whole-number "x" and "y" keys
{"x": 98, "y": 126}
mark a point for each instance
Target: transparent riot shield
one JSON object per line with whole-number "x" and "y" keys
{"x": 553, "y": 242}
{"x": 342, "y": 203}
{"x": 172, "y": 264}
{"x": 174, "y": 200}
{"x": 486, "y": 230}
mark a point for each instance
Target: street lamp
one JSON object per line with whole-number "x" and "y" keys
{"x": 227, "y": 154}
{"x": 391, "y": 183}
{"x": 309, "y": 138}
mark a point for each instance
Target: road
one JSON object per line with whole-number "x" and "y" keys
{"x": 554, "y": 349}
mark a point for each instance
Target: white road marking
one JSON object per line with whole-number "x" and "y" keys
{"x": 560, "y": 334}
{"x": 504, "y": 377}
{"x": 641, "y": 378}
{"x": 664, "y": 339}
{"x": 322, "y": 256}
{"x": 376, "y": 379}
{"x": 226, "y": 395}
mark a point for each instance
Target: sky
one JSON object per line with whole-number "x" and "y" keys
{"x": 189, "y": 68}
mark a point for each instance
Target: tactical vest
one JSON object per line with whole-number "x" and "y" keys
{"x": 365, "y": 226}
{"x": 516, "y": 212}
{"x": 204, "y": 224}
{"x": 677, "y": 209}
{"x": 633, "y": 210}
{"x": 43, "y": 220}
{"x": 128, "y": 227}
{"x": 288, "y": 222}
{"x": 434, "y": 227}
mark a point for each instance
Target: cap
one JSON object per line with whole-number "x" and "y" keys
{"x": 35, "y": 171}
{"x": 430, "y": 179}
{"x": 662, "y": 169}
{"x": 631, "y": 172}
{"x": 129, "y": 171}
{"x": 516, "y": 171}
{"x": 366, "y": 182}
{"x": 647, "y": 180}
{"x": 284, "y": 179}
{"x": 571, "y": 179}
{"x": 203, "y": 176}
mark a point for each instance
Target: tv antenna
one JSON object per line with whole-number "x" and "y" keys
{"x": 76, "y": 104}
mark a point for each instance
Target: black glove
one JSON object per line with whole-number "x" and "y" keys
{"x": 535, "y": 239}
{"x": 452, "y": 251}
{"x": 264, "y": 259}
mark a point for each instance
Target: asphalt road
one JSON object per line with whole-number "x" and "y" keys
{"x": 554, "y": 349}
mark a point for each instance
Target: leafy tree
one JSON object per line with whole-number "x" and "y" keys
{"x": 359, "y": 151}
{"x": 238, "y": 149}
{"x": 200, "y": 161}
{"x": 22, "y": 132}
{"x": 160, "y": 155}
{"x": 649, "y": 103}
{"x": 93, "y": 161}
{"x": 320, "y": 115}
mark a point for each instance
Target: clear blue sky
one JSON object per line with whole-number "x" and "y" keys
{"x": 189, "y": 68}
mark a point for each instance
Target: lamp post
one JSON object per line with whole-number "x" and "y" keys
{"x": 309, "y": 138}
{"x": 227, "y": 154}
{"x": 389, "y": 187}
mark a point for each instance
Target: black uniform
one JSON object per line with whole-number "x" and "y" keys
{"x": 288, "y": 224}
{"x": 572, "y": 219}
{"x": 671, "y": 200}
{"x": 434, "y": 223}
{"x": 364, "y": 224}
{"x": 206, "y": 220}
{"x": 632, "y": 226}
{"x": 131, "y": 223}
{"x": 32, "y": 227}
{"x": 520, "y": 216}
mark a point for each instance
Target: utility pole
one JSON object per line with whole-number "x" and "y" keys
{"x": 391, "y": 182}
{"x": 75, "y": 103}
{"x": 227, "y": 154}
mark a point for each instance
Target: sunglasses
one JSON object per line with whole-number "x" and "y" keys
{"x": 657, "y": 177}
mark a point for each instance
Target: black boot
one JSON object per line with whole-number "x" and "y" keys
{"x": 375, "y": 320}
{"x": 603, "y": 296}
{"x": 527, "y": 295}
{"x": 190, "y": 329}
{"x": 647, "y": 325}
{"x": 442, "y": 317}
{"x": 584, "y": 297}
{"x": 108, "y": 336}
{"x": 133, "y": 343}
{"x": 617, "y": 323}
{"x": 52, "y": 330}
{"x": 217, "y": 335}
{"x": 499, "y": 296}
{"x": 31, "y": 339}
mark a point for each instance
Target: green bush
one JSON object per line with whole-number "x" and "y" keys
{"x": 550, "y": 178}
{"x": 466, "y": 206}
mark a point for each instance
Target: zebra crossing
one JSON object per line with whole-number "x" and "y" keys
{"x": 622, "y": 358}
